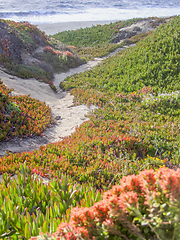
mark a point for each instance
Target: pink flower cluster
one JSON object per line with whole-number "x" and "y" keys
{"x": 133, "y": 192}
{"x": 38, "y": 172}
{"x": 68, "y": 54}
{"x": 134, "y": 96}
{"x": 51, "y": 50}
{"x": 129, "y": 97}
{"x": 146, "y": 90}
{"x": 71, "y": 47}
{"x": 4, "y": 44}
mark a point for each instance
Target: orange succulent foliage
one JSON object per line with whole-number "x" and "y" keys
{"x": 31, "y": 118}
{"x": 133, "y": 192}
{"x": 68, "y": 54}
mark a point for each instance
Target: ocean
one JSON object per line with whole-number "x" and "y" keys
{"x": 54, "y": 11}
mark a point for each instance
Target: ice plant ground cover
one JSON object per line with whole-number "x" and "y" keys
{"x": 134, "y": 130}
{"x": 28, "y": 206}
{"x": 145, "y": 206}
{"x": 21, "y": 52}
{"x": 21, "y": 115}
{"x": 97, "y": 41}
{"x": 153, "y": 62}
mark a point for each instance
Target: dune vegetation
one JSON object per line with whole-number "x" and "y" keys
{"x": 21, "y": 116}
{"x": 23, "y": 52}
{"x": 117, "y": 176}
{"x": 98, "y": 41}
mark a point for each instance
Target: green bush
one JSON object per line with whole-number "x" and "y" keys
{"x": 154, "y": 62}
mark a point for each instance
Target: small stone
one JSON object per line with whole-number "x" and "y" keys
{"x": 58, "y": 117}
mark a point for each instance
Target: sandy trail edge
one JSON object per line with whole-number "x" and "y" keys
{"x": 68, "y": 117}
{"x": 61, "y": 107}
{"x": 60, "y": 103}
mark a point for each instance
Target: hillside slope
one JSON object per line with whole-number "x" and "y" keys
{"x": 27, "y": 52}
{"x": 98, "y": 41}
{"x": 153, "y": 62}
{"x": 135, "y": 127}
{"x": 21, "y": 116}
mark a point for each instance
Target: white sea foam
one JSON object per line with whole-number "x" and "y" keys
{"x": 53, "y": 11}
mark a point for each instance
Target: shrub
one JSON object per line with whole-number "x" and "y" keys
{"x": 21, "y": 115}
{"x": 145, "y": 206}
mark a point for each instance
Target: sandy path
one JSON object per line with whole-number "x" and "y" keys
{"x": 68, "y": 117}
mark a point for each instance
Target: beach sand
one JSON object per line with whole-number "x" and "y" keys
{"x": 68, "y": 116}
{"x": 53, "y": 28}
{"x": 61, "y": 103}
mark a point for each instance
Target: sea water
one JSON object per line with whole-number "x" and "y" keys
{"x": 54, "y": 11}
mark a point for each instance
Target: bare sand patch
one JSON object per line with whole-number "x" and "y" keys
{"x": 67, "y": 116}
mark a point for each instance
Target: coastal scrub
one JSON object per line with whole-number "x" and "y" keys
{"x": 21, "y": 116}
